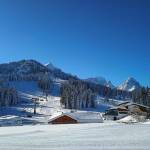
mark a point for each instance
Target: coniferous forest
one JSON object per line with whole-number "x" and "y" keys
{"x": 78, "y": 94}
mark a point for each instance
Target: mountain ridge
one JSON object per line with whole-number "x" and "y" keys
{"x": 29, "y": 67}
{"x": 25, "y": 69}
{"x": 130, "y": 85}
{"x": 100, "y": 81}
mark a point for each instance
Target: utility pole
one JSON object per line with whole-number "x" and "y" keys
{"x": 46, "y": 94}
{"x": 35, "y": 104}
{"x": 149, "y": 102}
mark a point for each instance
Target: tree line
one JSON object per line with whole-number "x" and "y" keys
{"x": 45, "y": 84}
{"x": 78, "y": 94}
{"x": 141, "y": 96}
{"x": 8, "y": 96}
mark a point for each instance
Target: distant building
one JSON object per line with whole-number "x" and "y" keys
{"x": 126, "y": 108}
{"x": 77, "y": 117}
{"x": 137, "y": 109}
{"x": 116, "y": 113}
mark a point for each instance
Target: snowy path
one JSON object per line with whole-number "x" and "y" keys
{"x": 76, "y": 137}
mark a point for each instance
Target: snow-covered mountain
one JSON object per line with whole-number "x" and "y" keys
{"x": 110, "y": 85}
{"x": 33, "y": 71}
{"x": 129, "y": 85}
{"x": 30, "y": 70}
{"x": 22, "y": 67}
{"x": 101, "y": 81}
{"x": 50, "y": 66}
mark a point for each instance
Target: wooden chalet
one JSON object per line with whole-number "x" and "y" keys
{"x": 115, "y": 113}
{"x": 134, "y": 108}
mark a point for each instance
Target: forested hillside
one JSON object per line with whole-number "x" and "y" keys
{"x": 29, "y": 70}
{"x": 78, "y": 94}
{"x": 26, "y": 70}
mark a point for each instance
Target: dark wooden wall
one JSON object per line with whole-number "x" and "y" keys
{"x": 64, "y": 120}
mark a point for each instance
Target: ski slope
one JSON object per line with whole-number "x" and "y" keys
{"x": 76, "y": 137}
{"x": 26, "y": 91}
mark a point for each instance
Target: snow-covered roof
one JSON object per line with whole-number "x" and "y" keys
{"x": 123, "y": 103}
{"x": 119, "y": 107}
{"x": 82, "y": 117}
{"x": 140, "y": 105}
{"x": 131, "y": 103}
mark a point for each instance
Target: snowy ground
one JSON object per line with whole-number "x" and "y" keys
{"x": 101, "y": 136}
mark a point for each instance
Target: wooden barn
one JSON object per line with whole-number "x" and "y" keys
{"x": 117, "y": 110}
{"x": 116, "y": 113}
{"x": 126, "y": 108}
{"x": 134, "y": 108}
{"x": 77, "y": 117}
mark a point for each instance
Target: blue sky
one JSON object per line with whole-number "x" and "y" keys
{"x": 88, "y": 38}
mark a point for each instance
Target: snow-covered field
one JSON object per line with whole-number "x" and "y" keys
{"x": 100, "y": 136}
